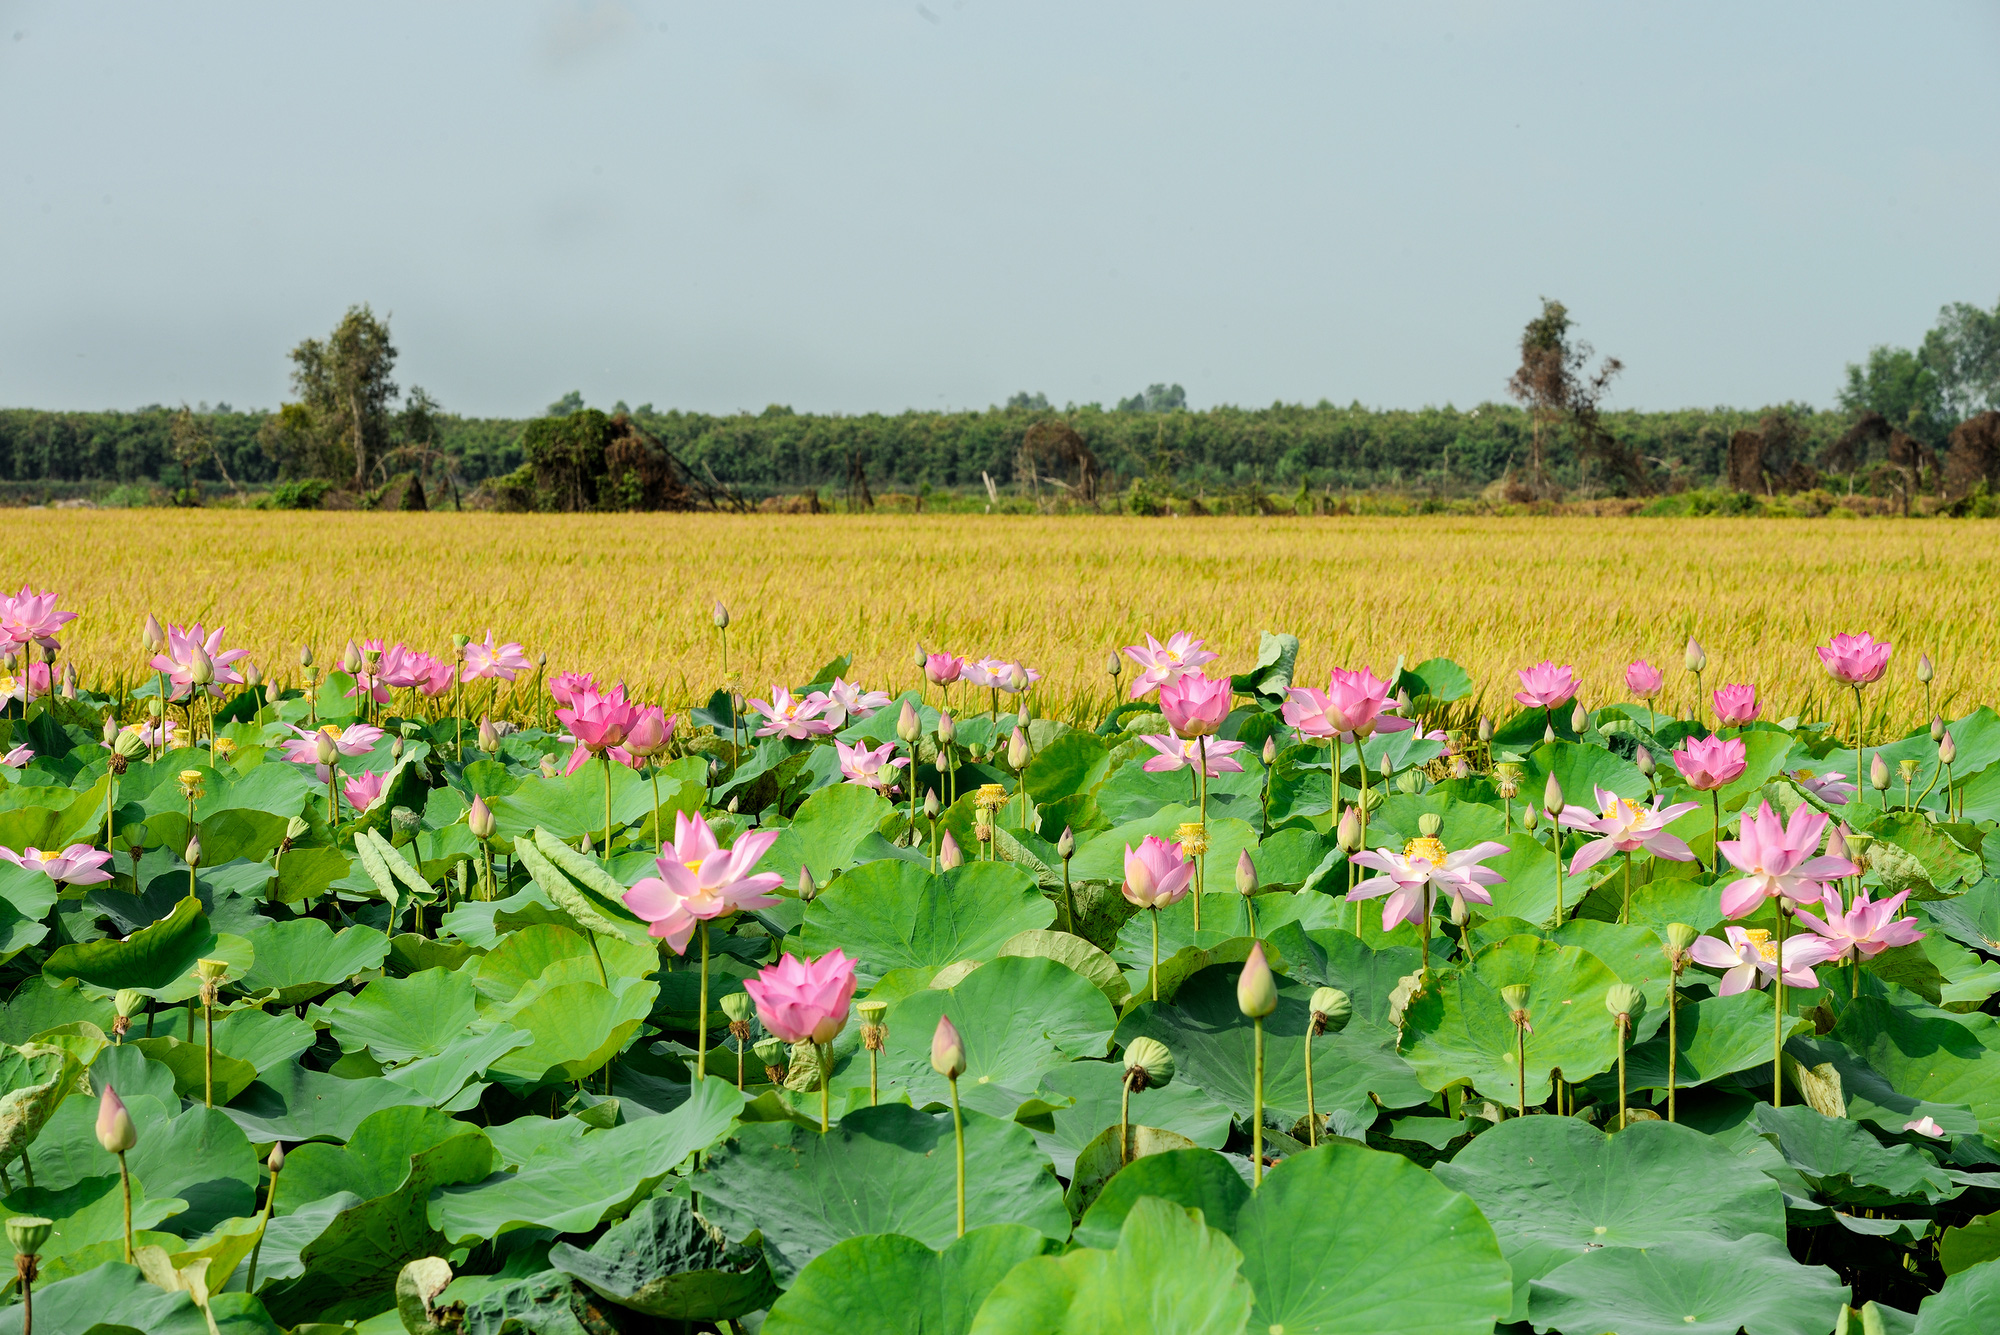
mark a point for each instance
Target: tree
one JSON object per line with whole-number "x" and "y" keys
{"x": 344, "y": 388}
{"x": 567, "y": 406}
{"x": 1156, "y": 398}
{"x": 1896, "y": 383}
{"x": 1555, "y": 383}
{"x": 1037, "y": 402}
{"x": 1963, "y": 351}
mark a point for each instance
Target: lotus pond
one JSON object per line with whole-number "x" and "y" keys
{"x": 335, "y": 1002}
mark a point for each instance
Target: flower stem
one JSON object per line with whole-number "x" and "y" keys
{"x": 701, "y": 1040}
{"x": 270, "y": 1199}
{"x": 1624, "y": 1032}
{"x": 1778, "y": 1019}
{"x": 958, "y": 1134}
{"x": 1312, "y": 1107}
{"x": 1125, "y": 1121}
{"x": 825, "y": 1052}
{"x": 1859, "y": 791}
{"x": 1673, "y": 1037}
{"x": 1333, "y": 787}
{"x": 207, "y": 1055}
{"x": 1625, "y": 913}
{"x": 1257, "y": 1113}
{"x": 1069, "y": 897}
{"x": 1521, "y": 1070}
{"x": 125, "y": 1180}
{"x": 873, "y": 1096}
{"x": 659, "y": 830}
{"x": 1156, "y": 953}
{"x": 607, "y": 806}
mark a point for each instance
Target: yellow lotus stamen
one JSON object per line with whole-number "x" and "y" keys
{"x": 1767, "y": 949}
{"x": 1193, "y": 839}
{"x": 1426, "y": 847}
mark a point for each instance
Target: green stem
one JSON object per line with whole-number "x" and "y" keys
{"x": 1125, "y": 1121}
{"x": 1715, "y": 832}
{"x": 659, "y": 829}
{"x": 701, "y": 1042}
{"x": 1312, "y": 1107}
{"x": 1624, "y": 1030}
{"x": 1625, "y": 913}
{"x": 125, "y": 1180}
{"x": 270, "y": 1199}
{"x": 1673, "y": 1036}
{"x": 1257, "y": 1113}
{"x": 1156, "y": 954}
{"x": 1069, "y": 898}
{"x": 1778, "y": 1017}
{"x": 208, "y": 1055}
{"x": 874, "y": 1096}
{"x": 1859, "y": 790}
{"x": 825, "y": 1053}
{"x": 607, "y": 806}
{"x": 1520, "y": 1069}
{"x": 958, "y": 1134}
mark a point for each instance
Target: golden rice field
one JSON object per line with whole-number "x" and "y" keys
{"x": 629, "y": 595}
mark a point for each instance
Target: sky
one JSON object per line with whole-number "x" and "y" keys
{"x": 849, "y": 206}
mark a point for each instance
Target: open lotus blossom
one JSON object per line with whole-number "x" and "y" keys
{"x": 1364, "y": 703}
{"x": 1623, "y": 826}
{"x": 1750, "y": 958}
{"x": 1195, "y": 705}
{"x": 504, "y": 661}
{"x": 1925, "y": 1126}
{"x": 1864, "y": 930}
{"x": 404, "y": 668}
{"x": 700, "y": 881}
{"x": 18, "y": 757}
{"x": 647, "y": 736}
{"x": 1736, "y": 705}
{"x": 177, "y": 662}
{"x": 33, "y": 683}
{"x": 1162, "y": 663}
{"x": 1413, "y": 878}
{"x": 943, "y": 669}
{"x": 600, "y": 722}
{"x": 1707, "y": 763}
{"x": 1178, "y": 752}
{"x": 804, "y": 1001}
{"x": 1778, "y": 858}
{"x": 1003, "y": 674}
{"x": 362, "y": 790}
{"x": 356, "y": 739}
{"x": 567, "y": 686}
{"x": 79, "y": 864}
{"x": 869, "y": 767}
{"x": 167, "y": 735}
{"x": 1643, "y": 679}
{"x": 1854, "y": 660}
{"x": 1544, "y": 686}
{"x": 29, "y": 617}
{"x": 843, "y": 703}
{"x": 1155, "y": 873}
{"x": 786, "y": 717}
{"x": 1833, "y": 788}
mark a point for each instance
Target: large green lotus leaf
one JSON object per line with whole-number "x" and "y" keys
{"x": 1103, "y": 858}
{"x": 1964, "y": 1306}
{"x": 1969, "y": 978}
{"x": 1224, "y": 917}
{"x": 1462, "y": 824}
{"x": 1103, "y": 1158}
{"x": 894, "y": 1284}
{"x": 373, "y": 1162}
{"x": 1973, "y": 917}
{"x": 1691, "y": 1286}
{"x": 89, "y": 1211}
{"x": 237, "y": 833}
{"x": 115, "y": 1299}
{"x": 1093, "y": 1089}
{"x": 1717, "y": 1036}
{"x": 1934, "y": 1055}
{"x": 1213, "y": 1046}
{"x": 305, "y": 873}
{"x": 1460, "y": 1029}
{"x": 1132, "y": 793}
{"x": 1286, "y": 859}
{"x": 294, "y": 1103}
{"x": 263, "y": 1040}
{"x": 1843, "y": 1160}
{"x": 1581, "y": 768}
{"x": 202, "y": 1157}
{"x": 1555, "y": 1188}
{"x": 351, "y": 1266}
{"x": 663, "y": 1261}
{"x": 577, "y": 1185}
{"x": 1913, "y": 853}
{"x": 397, "y": 1019}
{"x": 826, "y": 832}
{"x": 1345, "y": 1240}
{"x": 30, "y": 893}
{"x": 1331, "y": 957}
{"x": 1198, "y": 1179}
{"x": 572, "y": 805}
{"x": 36, "y": 1079}
{"x": 194, "y": 1072}
{"x": 304, "y": 958}
{"x": 895, "y": 915}
{"x": 888, "y": 1169}
{"x": 1018, "y": 1018}
{"x": 1971, "y": 1244}
{"x": 1170, "y": 1272}
{"x": 576, "y": 1028}
{"x": 552, "y": 954}
{"x": 1635, "y": 953}
{"x": 1072, "y": 952}
{"x": 438, "y": 1081}
{"x": 153, "y": 958}
{"x": 1073, "y": 763}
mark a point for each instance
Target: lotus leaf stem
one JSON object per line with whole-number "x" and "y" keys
{"x": 958, "y": 1134}
{"x": 1257, "y": 1110}
{"x": 125, "y": 1181}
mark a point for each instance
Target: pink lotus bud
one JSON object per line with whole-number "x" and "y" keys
{"x": 479, "y": 819}
{"x": 115, "y": 1131}
{"x": 201, "y": 669}
{"x": 1736, "y": 705}
{"x": 721, "y": 616}
{"x": 1066, "y": 844}
{"x": 1643, "y": 679}
{"x": 324, "y": 749}
{"x": 350, "y": 658}
{"x": 194, "y": 851}
{"x": 1836, "y": 843}
{"x": 1947, "y": 748}
{"x": 1017, "y": 751}
{"x": 949, "y": 855}
{"x": 1878, "y": 774}
{"x": 1694, "y": 660}
{"x": 1925, "y": 672}
{"x": 1350, "y": 829}
{"x": 907, "y": 726}
{"x": 489, "y": 738}
{"x": 947, "y": 1050}
{"x": 1246, "y": 875}
{"x": 947, "y": 731}
{"x": 1552, "y": 797}
{"x": 155, "y": 638}
{"x": 1270, "y": 749}
{"x": 1256, "y": 990}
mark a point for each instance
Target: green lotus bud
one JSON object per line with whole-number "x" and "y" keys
{"x": 1528, "y": 817}
{"x": 1644, "y": 760}
{"x": 584, "y": 845}
{"x": 921, "y": 658}
{"x": 154, "y": 636}
{"x": 1680, "y": 937}
{"x": 28, "y": 1232}
{"x": 1385, "y": 768}
{"x": 1331, "y": 1010}
{"x": 947, "y": 731}
{"x": 115, "y": 1131}
{"x": 489, "y": 736}
{"x": 1485, "y": 728}
{"x": 808, "y": 888}
{"x": 1148, "y": 1064}
{"x": 1552, "y": 797}
{"x": 305, "y": 656}
{"x": 949, "y": 853}
{"x": 350, "y": 658}
{"x": 1924, "y": 669}
{"x": 1246, "y": 875}
{"x": 932, "y": 807}
{"x": 1429, "y": 823}
{"x": 1114, "y": 664}
{"x": 1270, "y": 750}
{"x": 1515, "y": 995}
{"x": 1256, "y": 990}
{"x": 1066, "y": 844}
{"x": 1878, "y": 774}
{"x": 201, "y": 669}
{"x": 275, "y": 1160}
{"x": 480, "y": 820}
{"x": 739, "y": 1007}
{"x": 947, "y": 1051}
{"x": 109, "y": 734}
{"x": 1548, "y": 733}
{"x": 1349, "y": 835}
{"x": 1017, "y": 751}
{"x": 1947, "y": 749}
{"x": 1937, "y": 728}
{"x": 193, "y": 854}
{"x": 1579, "y": 719}
{"x": 1625, "y": 1001}
{"x": 907, "y": 726}
{"x": 721, "y": 617}
{"x": 1694, "y": 660}
{"x": 550, "y": 767}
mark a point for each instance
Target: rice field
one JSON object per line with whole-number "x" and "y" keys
{"x": 630, "y": 595}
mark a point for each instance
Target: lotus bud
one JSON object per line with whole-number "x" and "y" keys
{"x": 1017, "y": 678}
{"x": 1114, "y": 665}
{"x": 1349, "y": 835}
{"x": 1643, "y": 759}
{"x": 1937, "y": 728}
{"x": 947, "y": 731}
{"x": 947, "y": 1051}
{"x": 1402, "y": 702}
{"x": 808, "y": 888}
{"x": 1924, "y": 669}
{"x": 921, "y": 658}
{"x": 873, "y": 1032}
{"x": 1270, "y": 750}
{"x": 1548, "y": 733}
{"x": 1429, "y": 824}
{"x": 69, "y": 681}
{"x": 1256, "y": 990}
{"x": 1485, "y": 728}
{"x": 305, "y": 656}
{"x": 1694, "y": 660}
{"x": 1529, "y": 817}
{"x": 1579, "y": 719}
{"x": 194, "y": 851}
{"x": 110, "y": 731}
{"x": 1947, "y": 749}
{"x": 479, "y": 819}
{"x": 1331, "y": 1010}
{"x": 201, "y": 671}
{"x": 1148, "y": 1064}
{"x": 115, "y": 1131}
{"x": 28, "y": 1233}
{"x": 251, "y": 676}
{"x": 932, "y": 807}
{"x": 324, "y": 749}
{"x": 1461, "y": 768}
{"x": 771, "y": 1052}
{"x": 584, "y": 845}
{"x": 1017, "y": 751}
{"x": 489, "y": 740}
{"x": 907, "y": 726}
{"x": 550, "y": 768}
{"x": 350, "y": 658}
{"x": 396, "y": 748}
{"x": 153, "y": 635}
{"x": 1246, "y": 875}
{"x": 275, "y": 1160}
{"x": 1626, "y": 1002}
{"x": 1066, "y": 844}
{"x": 1460, "y": 914}
{"x": 1878, "y": 774}
{"x": 1552, "y": 797}
{"x": 720, "y": 616}
{"x": 1385, "y": 768}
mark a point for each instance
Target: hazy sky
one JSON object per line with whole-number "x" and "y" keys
{"x": 851, "y": 206}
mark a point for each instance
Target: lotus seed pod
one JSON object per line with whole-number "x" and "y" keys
{"x": 28, "y": 1233}
{"x": 807, "y": 887}
{"x": 1429, "y": 823}
{"x": 947, "y": 731}
{"x": 1579, "y": 719}
{"x": 1485, "y": 728}
{"x": 1256, "y": 990}
{"x": 1548, "y": 733}
{"x": 871, "y": 1010}
{"x": 115, "y": 1131}
{"x": 932, "y": 807}
{"x": 949, "y": 854}
{"x": 1066, "y": 844}
{"x": 907, "y": 726}
{"x": 1694, "y": 659}
{"x": 1907, "y": 768}
{"x": 350, "y": 658}
{"x": 738, "y": 1006}
{"x": 1515, "y": 995}
{"x": 1680, "y": 937}
{"x": 1924, "y": 669}
{"x": 155, "y": 638}
{"x": 1625, "y": 1000}
{"x": 1947, "y": 749}
{"x": 305, "y": 656}
{"x": 194, "y": 851}
{"x": 1878, "y": 774}
{"x": 127, "y": 1001}
{"x": 721, "y": 617}
{"x": 1349, "y": 836}
{"x": 1017, "y": 751}
{"x": 129, "y": 744}
{"x": 1148, "y": 1064}
{"x": 480, "y": 820}
{"x": 771, "y": 1052}
{"x": 1507, "y": 782}
{"x": 977, "y": 753}
{"x": 1331, "y": 1010}
{"x": 947, "y": 1051}
{"x": 1114, "y": 664}
{"x": 1644, "y": 760}
{"x": 211, "y": 971}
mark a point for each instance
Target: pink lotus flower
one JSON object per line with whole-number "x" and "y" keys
{"x": 567, "y": 686}
{"x": 870, "y": 768}
{"x": 1865, "y": 930}
{"x": 1643, "y": 679}
{"x": 1194, "y": 704}
{"x": 600, "y": 722}
{"x": 1155, "y": 873}
{"x": 804, "y": 1001}
{"x": 154, "y": 734}
{"x": 79, "y": 864}
{"x": 1736, "y": 705}
{"x": 1177, "y": 752}
{"x": 1833, "y": 788}
{"x": 943, "y": 669}
{"x": 1363, "y": 702}
{"x": 786, "y": 717}
{"x": 362, "y": 790}
{"x": 1162, "y": 663}
{"x": 502, "y": 661}
{"x": 178, "y": 660}
{"x": 1751, "y": 958}
{"x": 405, "y": 668}
{"x": 700, "y": 880}
{"x": 1413, "y": 878}
{"x": 1310, "y": 713}
{"x": 1854, "y": 660}
{"x": 1778, "y": 858}
{"x": 33, "y": 683}
{"x": 1925, "y": 1126}
{"x": 647, "y": 737}
{"x": 1623, "y": 826}
{"x": 356, "y": 739}
{"x": 1707, "y": 763}
{"x": 31, "y": 618}
{"x": 18, "y": 757}
{"x": 843, "y": 703}
{"x": 1001, "y": 674}
{"x": 1544, "y": 686}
